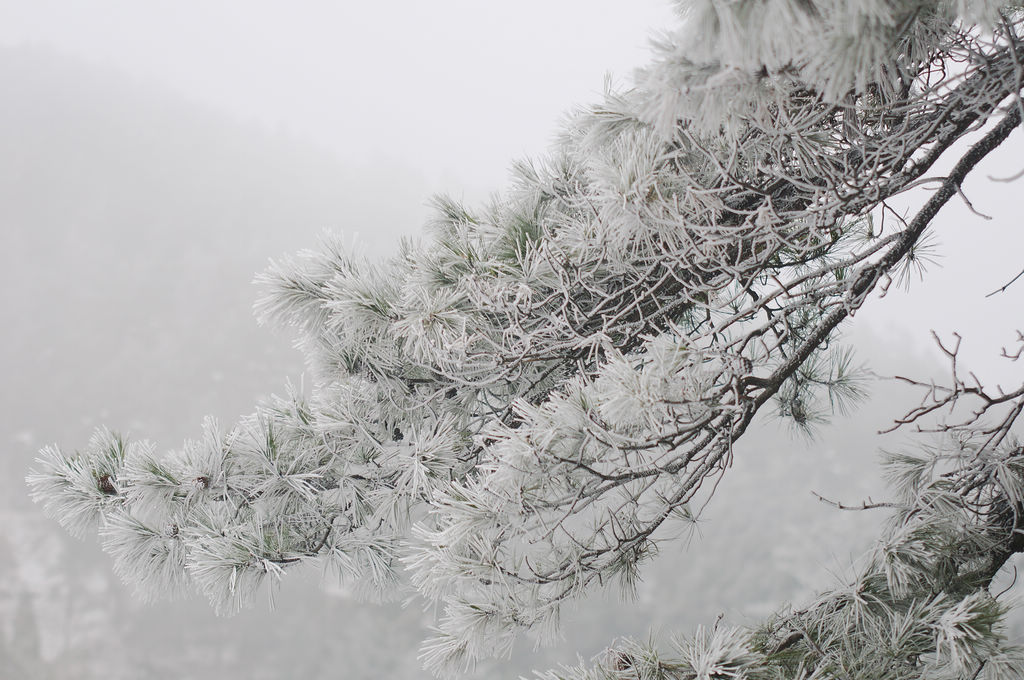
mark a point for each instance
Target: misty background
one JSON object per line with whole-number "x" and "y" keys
{"x": 154, "y": 156}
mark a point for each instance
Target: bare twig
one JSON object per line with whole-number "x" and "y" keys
{"x": 864, "y": 505}
{"x": 1007, "y": 285}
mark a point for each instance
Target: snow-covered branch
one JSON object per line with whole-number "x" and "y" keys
{"x": 515, "y": 407}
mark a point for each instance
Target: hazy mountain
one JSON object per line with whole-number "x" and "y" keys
{"x": 132, "y": 224}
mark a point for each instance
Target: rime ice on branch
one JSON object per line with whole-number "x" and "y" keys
{"x": 516, "y": 406}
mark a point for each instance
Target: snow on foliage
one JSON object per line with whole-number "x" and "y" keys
{"x": 515, "y": 409}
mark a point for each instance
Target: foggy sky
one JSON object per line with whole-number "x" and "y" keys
{"x": 452, "y": 89}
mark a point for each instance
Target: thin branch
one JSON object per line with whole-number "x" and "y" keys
{"x": 864, "y": 505}
{"x": 1007, "y": 285}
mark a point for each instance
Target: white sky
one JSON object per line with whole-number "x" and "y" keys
{"x": 452, "y": 88}
{"x": 455, "y": 89}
